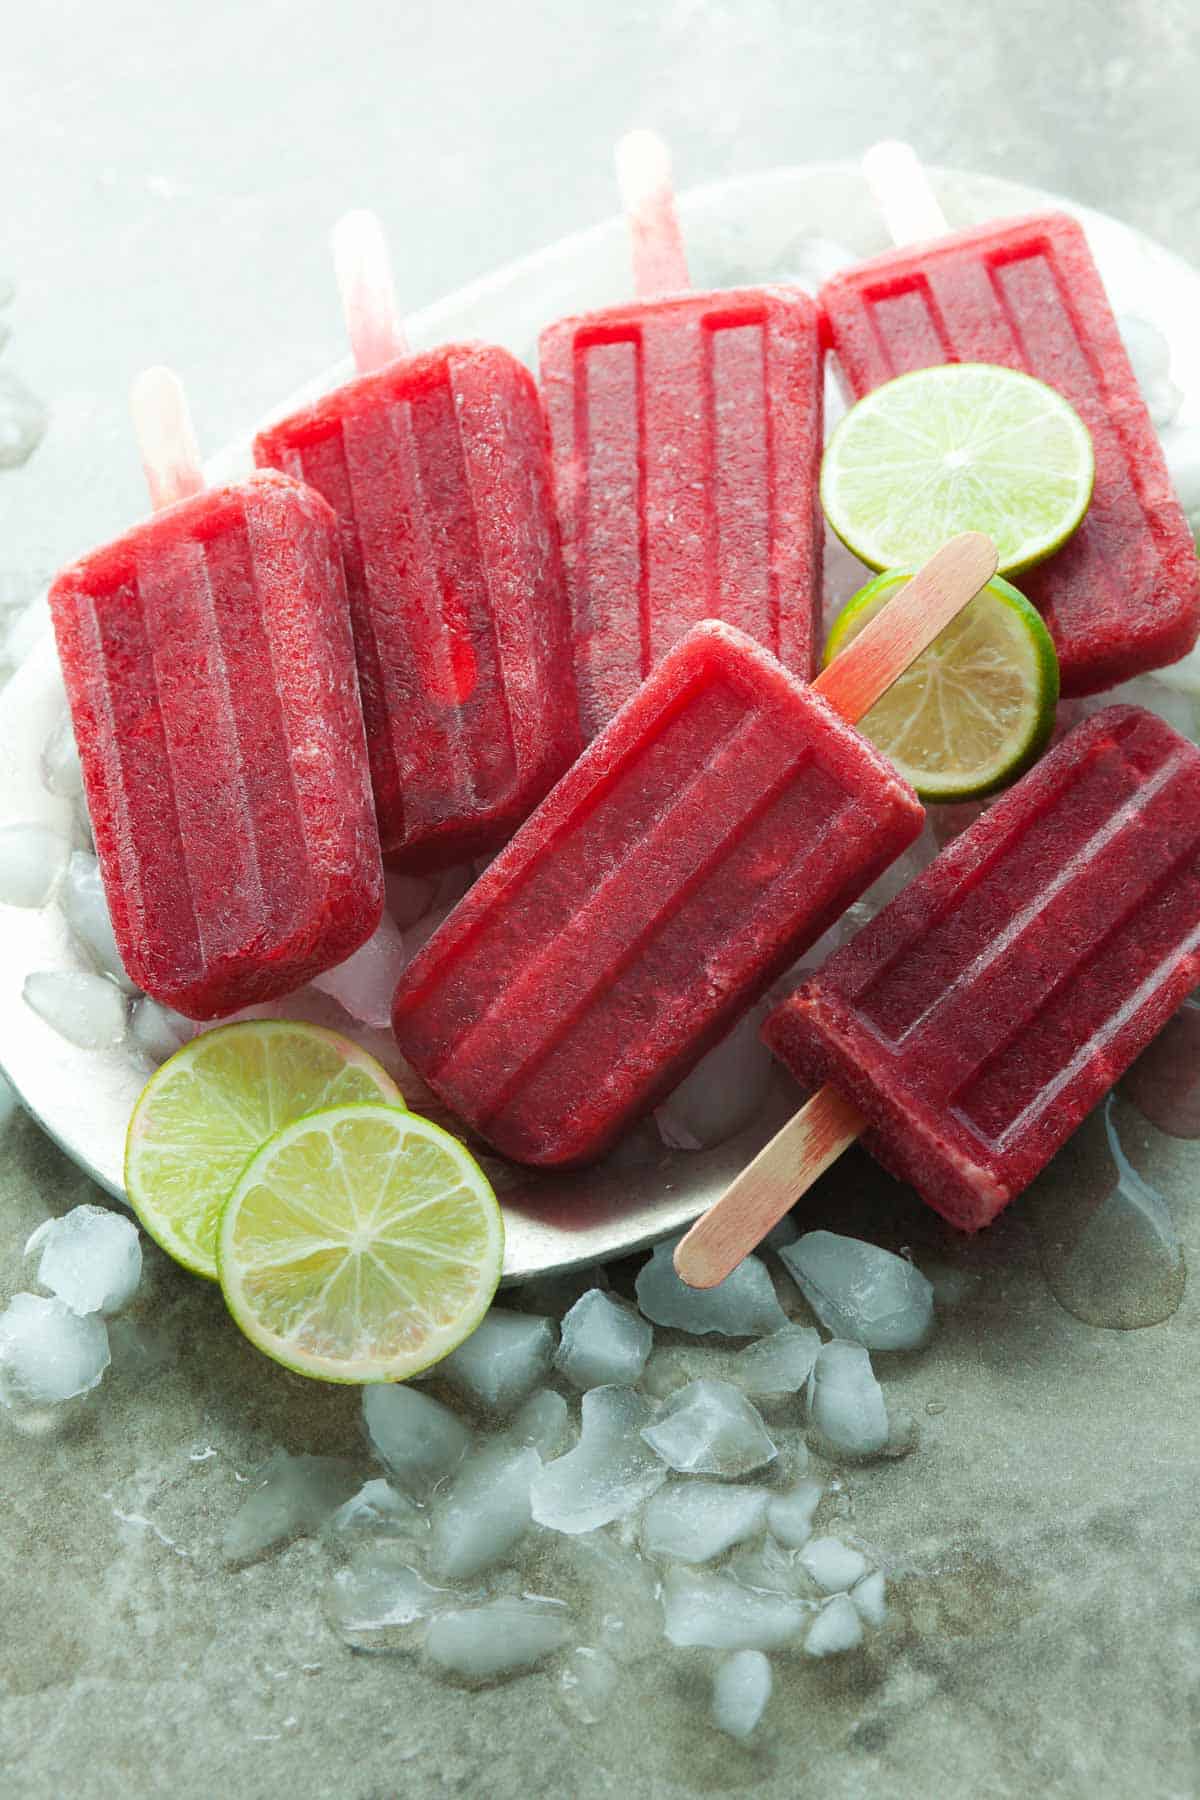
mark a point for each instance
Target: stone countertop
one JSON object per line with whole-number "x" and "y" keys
{"x": 172, "y": 173}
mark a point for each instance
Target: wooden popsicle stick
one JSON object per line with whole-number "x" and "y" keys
{"x": 364, "y": 277}
{"x": 784, "y": 1169}
{"x": 162, "y": 424}
{"x": 908, "y": 624}
{"x": 828, "y": 1124}
{"x": 644, "y": 175}
{"x": 903, "y": 193}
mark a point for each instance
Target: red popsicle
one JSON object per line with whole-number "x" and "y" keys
{"x": 687, "y": 437}
{"x": 210, "y": 673}
{"x": 437, "y": 468}
{"x": 1123, "y": 594}
{"x": 970, "y": 1027}
{"x": 712, "y": 831}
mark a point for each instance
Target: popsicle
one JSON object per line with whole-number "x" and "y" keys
{"x": 210, "y": 674}
{"x": 969, "y": 1027}
{"x": 686, "y": 431}
{"x": 712, "y": 831}
{"x": 437, "y": 466}
{"x": 1123, "y": 594}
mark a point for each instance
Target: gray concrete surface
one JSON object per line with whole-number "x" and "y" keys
{"x": 170, "y": 172}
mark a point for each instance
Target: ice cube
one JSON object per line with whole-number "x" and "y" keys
{"x": 743, "y": 1305}
{"x": 25, "y": 629}
{"x": 834, "y": 1566}
{"x": 377, "y": 1510}
{"x": 741, "y": 1689}
{"x": 715, "y": 1613}
{"x": 85, "y": 1009}
{"x": 542, "y": 1423}
{"x": 501, "y": 1637}
{"x": 86, "y": 911}
{"x": 417, "y": 1437}
{"x": 506, "y": 1355}
{"x": 869, "y": 1597}
{"x": 23, "y": 420}
{"x": 587, "y": 1684}
{"x": 694, "y": 1521}
{"x": 409, "y": 897}
{"x": 769, "y": 1568}
{"x": 710, "y": 1428}
{"x": 862, "y": 1293}
{"x": 609, "y": 1473}
{"x": 1150, "y": 354}
{"x": 363, "y": 985}
{"x": 49, "y": 1354}
{"x": 620, "y": 1593}
{"x": 603, "y": 1343}
{"x": 778, "y": 1364}
{"x": 292, "y": 1496}
{"x": 845, "y": 1402}
{"x": 724, "y": 1092}
{"x": 32, "y": 861}
{"x": 91, "y": 1258}
{"x": 157, "y": 1031}
{"x": 790, "y": 1514}
{"x": 61, "y": 772}
{"x": 484, "y": 1513}
{"x": 379, "y": 1602}
{"x": 418, "y": 935}
{"x": 837, "y": 1627}
{"x": 1181, "y": 447}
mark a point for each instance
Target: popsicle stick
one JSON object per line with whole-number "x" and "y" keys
{"x": 364, "y": 277}
{"x": 828, "y": 1124}
{"x": 162, "y": 424}
{"x": 648, "y": 196}
{"x": 903, "y": 193}
{"x": 783, "y": 1170}
{"x": 908, "y": 624}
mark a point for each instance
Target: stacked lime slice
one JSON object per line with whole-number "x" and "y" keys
{"x": 976, "y": 708}
{"x": 353, "y": 1240}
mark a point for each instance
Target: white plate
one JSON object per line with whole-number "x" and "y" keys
{"x": 744, "y": 231}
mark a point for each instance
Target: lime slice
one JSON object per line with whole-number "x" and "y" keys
{"x": 361, "y": 1244}
{"x": 977, "y": 707}
{"x": 962, "y": 447}
{"x": 198, "y": 1121}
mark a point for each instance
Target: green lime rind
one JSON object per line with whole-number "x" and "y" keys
{"x": 205, "y": 1113}
{"x": 958, "y": 447}
{"x": 362, "y": 1243}
{"x": 977, "y": 708}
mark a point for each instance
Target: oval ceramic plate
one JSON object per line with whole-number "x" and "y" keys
{"x": 740, "y": 232}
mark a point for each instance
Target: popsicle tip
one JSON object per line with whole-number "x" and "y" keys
{"x": 166, "y": 437}
{"x": 363, "y": 268}
{"x": 903, "y": 192}
{"x": 643, "y": 160}
{"x": 648, "y": 196}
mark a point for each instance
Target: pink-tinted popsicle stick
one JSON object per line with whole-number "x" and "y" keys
{"x": 162, "y": 424}
{"x": 644, "y": 175}
{"x": 903, "y": 193}
{"x": 828, "y": 1124}
{"x": 364, "y": 278}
